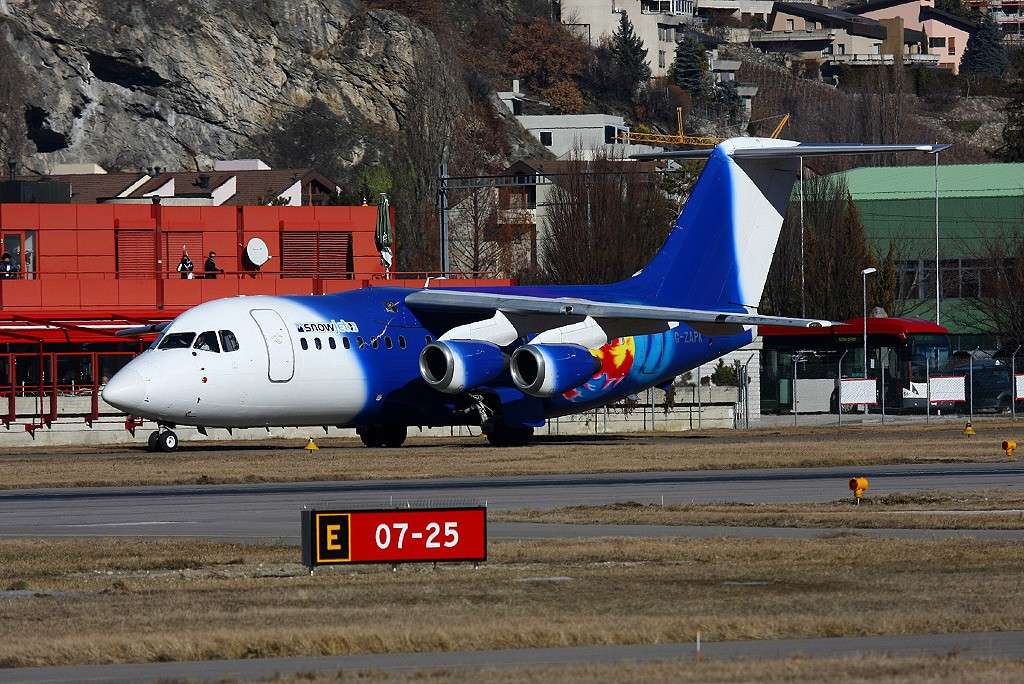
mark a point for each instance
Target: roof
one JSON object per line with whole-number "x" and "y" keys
{"x": 945, "y": 17}
{"x": 912, "y": 36}
{"x": 251, "y": 187}
{"x": 955, "y": 180}
{"x": 926, "y": 12}
{"x": 87, "y": 188}
{"x": 898, "y": 327}
{"x": 851, "y": 23}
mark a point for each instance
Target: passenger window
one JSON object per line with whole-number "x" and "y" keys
{"x": 303, "y": 343}
{"x": 345, "y": 343}
{"x": 207, "y": 341}
{"x": 228, "y": 341}
{"x": 401, "y": 341}
{"x": 387, "y": 342}
{"x": 360, "y": 343}
{"x": 331, "y": 343}
{"x": 317, "y": 343}
{"x": 181, "y": 340}
{"x": 374, "y": 343}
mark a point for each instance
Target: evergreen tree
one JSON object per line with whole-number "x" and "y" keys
{"x": 1012, "y": 149}
{"x": 690, "y": 66}
{"x": 630, "y": 55}
{"x": 985, "y": 54}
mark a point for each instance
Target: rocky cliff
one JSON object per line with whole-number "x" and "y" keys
{"x": 180, "y": 83}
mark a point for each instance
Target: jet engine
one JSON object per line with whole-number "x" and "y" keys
{"x": 458, "y": 365}
{"x": 544, "y": 370}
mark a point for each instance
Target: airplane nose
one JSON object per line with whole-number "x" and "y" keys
{"x": 126, "y": 390}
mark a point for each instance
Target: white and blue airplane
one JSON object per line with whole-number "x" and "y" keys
{"x": 503, "y": 358}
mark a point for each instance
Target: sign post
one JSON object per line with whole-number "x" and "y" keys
{"x": 394, "y": 535}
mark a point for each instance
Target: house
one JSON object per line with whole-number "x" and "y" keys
{"x": 1008, "y": 14}
{"x": 825, "y": 35}
{"x": 947, "y": 34}
{"x": 231, "y": 183}
{"x": 659, "y": 23}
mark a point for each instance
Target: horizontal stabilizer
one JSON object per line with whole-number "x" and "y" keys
{"x": 752, "y": 148}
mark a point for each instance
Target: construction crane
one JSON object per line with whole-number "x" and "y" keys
{"x": 680, "y": 137}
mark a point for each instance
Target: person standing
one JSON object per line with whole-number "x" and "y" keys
{"x": 185, "y": 266}
{"x": 211, "y": 266}
{"x": 8, "y": 269}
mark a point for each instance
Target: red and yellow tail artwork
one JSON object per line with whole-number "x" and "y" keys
{"x": 616, "y": 359}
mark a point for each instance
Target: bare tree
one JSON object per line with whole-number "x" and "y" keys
{"x": 995, "y": 304}
{"x": 605, "y": 219}
{"x": 835, "y": 251}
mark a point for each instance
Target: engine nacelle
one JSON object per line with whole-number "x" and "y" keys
{"x": 458, "y": 365}
{"x": 544, "y": 370}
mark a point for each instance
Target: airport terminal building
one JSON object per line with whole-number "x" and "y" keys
{"x": 978, "y": 204}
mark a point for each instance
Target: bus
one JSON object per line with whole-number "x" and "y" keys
{"x": 906, "y": 348}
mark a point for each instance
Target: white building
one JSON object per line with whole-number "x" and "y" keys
{"x": 657, "y": 22}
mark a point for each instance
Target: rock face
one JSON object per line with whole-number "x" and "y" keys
{"x": 180, "y": 83}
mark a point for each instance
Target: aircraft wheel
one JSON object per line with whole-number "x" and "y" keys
{"x": 167, "y": 442}
{"x": 390, "y": 437}
{"x": 505, "y": 436}
{"x": 154, "y": 437}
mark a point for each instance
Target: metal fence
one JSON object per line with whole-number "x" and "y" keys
{"x": 969, "y": 385}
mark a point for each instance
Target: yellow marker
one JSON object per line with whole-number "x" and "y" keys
{"x": 1009, "y": 446}
{"x": 311, "y": 445}
{"x": 858, "y": 485}
{"x": 969, "y": 430}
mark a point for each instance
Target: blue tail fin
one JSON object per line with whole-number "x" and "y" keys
{"x": 721, "y": 246}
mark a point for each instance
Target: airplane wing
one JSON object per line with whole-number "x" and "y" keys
{"x": 570, "y": 310}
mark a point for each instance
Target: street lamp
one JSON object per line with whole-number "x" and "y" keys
{"x": 864, "y": 277}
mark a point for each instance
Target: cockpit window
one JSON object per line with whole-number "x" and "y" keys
{"x": 178, "y": 340}
{"x": 228, "y": 341}
{"x": 207, "y": 341}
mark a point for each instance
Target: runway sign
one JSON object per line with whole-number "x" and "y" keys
{"x": 402, "y": 535}
{"x": 1018, "y": 384}
{"x": 948, "y": 388}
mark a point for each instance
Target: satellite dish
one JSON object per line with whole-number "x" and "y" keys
{"x": 257, "y": 252}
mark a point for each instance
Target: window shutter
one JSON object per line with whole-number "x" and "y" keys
{"x": 305, "y": 254}
{"x": 335, "y": 255}
{"x": 135, "y": 253}
{"x": 298, "y": 254}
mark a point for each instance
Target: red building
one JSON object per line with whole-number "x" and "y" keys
{"x": 88, "y": 270}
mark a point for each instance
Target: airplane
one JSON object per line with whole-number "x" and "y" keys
{"x": 505, "y": 359}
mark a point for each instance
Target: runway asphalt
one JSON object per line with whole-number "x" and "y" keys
{"x": 271, "y": 511}
{"x": 1003, "y": 645}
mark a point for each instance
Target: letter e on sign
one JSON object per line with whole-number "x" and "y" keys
{"x": 333, "y": 539}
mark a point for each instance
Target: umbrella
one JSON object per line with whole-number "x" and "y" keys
{"x": 383, "y": 234}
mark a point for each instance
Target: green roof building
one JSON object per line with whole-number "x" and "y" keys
{"x": 977, "y": 204}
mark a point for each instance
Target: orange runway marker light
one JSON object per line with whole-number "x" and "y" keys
{"x": 858, "y": 485}
{"x": 969, "y": 430}
{"x": 1009, "y": 446}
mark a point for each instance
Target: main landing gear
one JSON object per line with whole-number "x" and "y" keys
{"x": 502, "y": 435}
{"x": 386, "y": 436}
{"x": 163, "y": 440}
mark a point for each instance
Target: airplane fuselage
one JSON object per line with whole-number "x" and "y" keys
{"x": 351, "y": 360}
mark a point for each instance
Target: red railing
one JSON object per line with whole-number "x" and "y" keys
{"x": 113, "y": 290}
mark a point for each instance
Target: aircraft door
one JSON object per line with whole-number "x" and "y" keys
{"x": 280, "y": 354}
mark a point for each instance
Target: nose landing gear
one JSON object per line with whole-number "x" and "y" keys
{"x": 163, "y": 440}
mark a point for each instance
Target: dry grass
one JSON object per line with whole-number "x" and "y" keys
{"x": 343, "y": 459}
{"x": 989, "y": 510}
{"x": 120, "y": 600}
{"x": 876, "y": 670}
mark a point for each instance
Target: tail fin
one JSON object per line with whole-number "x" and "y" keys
{"x": 721, "y": 246}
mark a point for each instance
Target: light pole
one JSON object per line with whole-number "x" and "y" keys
{"x": 864, "y": 278}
